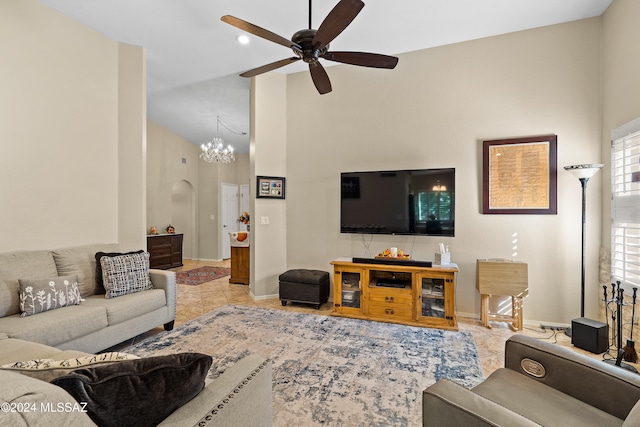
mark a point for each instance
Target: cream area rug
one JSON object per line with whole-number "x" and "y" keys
{"x": 329, "y": 371}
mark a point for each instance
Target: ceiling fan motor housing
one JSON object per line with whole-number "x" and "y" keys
{"x": 308, "y": 53}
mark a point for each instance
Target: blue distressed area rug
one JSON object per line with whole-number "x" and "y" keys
{"x": 329, "y": 371}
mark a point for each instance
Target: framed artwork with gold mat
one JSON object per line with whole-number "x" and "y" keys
{"x": 520, "y": 175}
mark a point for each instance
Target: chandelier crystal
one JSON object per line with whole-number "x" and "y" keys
{"x": 215, "y": 151}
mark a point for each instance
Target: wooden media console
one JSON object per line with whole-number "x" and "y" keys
{"x": 410, "y": 295}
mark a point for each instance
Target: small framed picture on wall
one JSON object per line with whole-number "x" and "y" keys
{"x": 271, "y": 187}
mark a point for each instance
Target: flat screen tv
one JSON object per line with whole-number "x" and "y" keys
{"x": 413, "y": 202}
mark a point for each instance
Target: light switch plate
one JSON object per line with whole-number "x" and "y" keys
{"x": 264, "y": 220}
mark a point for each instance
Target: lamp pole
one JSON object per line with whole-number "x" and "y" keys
{"x": 583, "y": 173}
{"x": 583, "y": 181}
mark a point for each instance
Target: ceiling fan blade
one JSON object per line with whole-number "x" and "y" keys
{"x": 269, "y": 67}
{"x": 258, "y": 31}
{"x": 363, "y": 59}
{"x": 336, "y": 21}
{"x": 320, "y": 77}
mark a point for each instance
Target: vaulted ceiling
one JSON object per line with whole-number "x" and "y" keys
{"x": 193, "y": 58}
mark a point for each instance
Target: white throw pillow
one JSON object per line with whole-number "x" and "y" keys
{"x": 48, "y": 369}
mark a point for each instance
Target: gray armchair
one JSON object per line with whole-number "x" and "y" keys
{"x": 541, "y": 384}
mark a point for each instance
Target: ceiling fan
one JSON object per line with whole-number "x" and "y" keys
{"x": 310, "y": 45}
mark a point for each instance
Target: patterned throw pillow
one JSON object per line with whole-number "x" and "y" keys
{"x": 41, "y": 295}
{"x": 99, "y": 283}
{"x": 49, "y": 369}
{"x": 125, "y": 274}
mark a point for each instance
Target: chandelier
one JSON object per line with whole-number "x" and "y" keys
{"x": 215, "y": 151}
{"x": 439, "y": 187}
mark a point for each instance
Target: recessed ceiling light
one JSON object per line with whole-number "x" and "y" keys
{"x": 243, "y": 39}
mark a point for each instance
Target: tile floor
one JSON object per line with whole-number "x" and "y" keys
{"x": 194, "y": 301}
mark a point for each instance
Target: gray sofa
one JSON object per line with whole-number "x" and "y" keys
{"x": 97, "y": 323}
{"x": 541, "y": 384}
{"x": 241, "y": 396}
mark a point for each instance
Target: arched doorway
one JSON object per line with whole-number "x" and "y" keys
{"x": 183, "y": 216}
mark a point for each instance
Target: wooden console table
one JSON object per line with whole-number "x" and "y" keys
{"x": 165, "y": 250}
{"x": 240, "y": 265}
{"x": 410, "y": 295}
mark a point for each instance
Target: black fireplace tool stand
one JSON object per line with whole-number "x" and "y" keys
{"x": 616, "y": 318}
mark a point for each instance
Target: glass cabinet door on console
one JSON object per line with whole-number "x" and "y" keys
{"x": 435, "y": 294}
{"x": 348, "y": 290}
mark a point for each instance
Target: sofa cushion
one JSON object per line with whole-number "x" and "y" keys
{"x": 52, "y": 406}
{"x": 49, "y": 369}
{"x": 99, "y": 282}
{"x": 128, "y": 306}
{"x": 139, "y": 392}
{"x": 80, "y": 260}
{"x": 22, "y": 265}
{"x": 68, "y": 323}
{"x": 540, "y": 403}
{"x": 13, "y": 350}
{"x": 125, "y": 274}
{"x": 6, "y": 299}
{"x": 38, "y": 295}
{"x": 633, "y": 419}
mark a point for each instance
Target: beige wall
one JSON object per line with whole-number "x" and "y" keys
{"x": 165, "y": 169}
{"x": 269, "y": 157}
{"x": 59, "y": 130}
{"x": 74, "y": 135}
{"x": 132, "y": 147}
{"x": 620, "y": 89}
{"x": 433, "y": 111}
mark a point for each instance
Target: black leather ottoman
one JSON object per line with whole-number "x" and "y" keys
{"x": 306, "y": 286}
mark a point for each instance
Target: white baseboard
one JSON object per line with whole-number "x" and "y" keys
{"x": 263, "y": 297}
{"x": 473, "y": 316}
{"x": 529, "y": 323}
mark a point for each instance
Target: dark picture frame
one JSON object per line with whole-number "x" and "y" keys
{"x": 270, "y": 187}
{"x": 520, "y": 176}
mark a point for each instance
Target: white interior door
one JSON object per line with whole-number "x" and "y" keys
{"x": 229, "y": 217}
{"x": 244, "y": 203}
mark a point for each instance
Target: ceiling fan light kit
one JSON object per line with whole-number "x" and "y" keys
{"x": 311, "y": 45}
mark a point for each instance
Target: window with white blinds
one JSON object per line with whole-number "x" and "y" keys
{"x": 625, "y": 203}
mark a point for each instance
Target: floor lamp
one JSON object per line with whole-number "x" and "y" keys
{"x": 583, "y": 173}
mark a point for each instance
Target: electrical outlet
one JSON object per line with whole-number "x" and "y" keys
{"x": 635, "y": 320}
